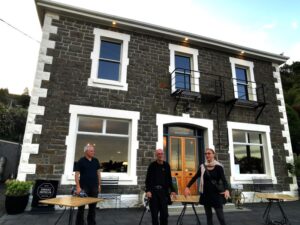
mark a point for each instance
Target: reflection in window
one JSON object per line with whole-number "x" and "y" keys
{"x": 242, "y": 83}
{"x": 248, "y": 152}
{"x": 183, "y": 72}
{"x": 111, "y": 142}
{"x": 176, "y": 161}
{"x": 109, "y": 61}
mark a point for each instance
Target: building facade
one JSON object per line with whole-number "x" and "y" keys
{"x": 129, "y": 87}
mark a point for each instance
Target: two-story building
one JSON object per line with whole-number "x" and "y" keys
{"x": 130, "y": 87}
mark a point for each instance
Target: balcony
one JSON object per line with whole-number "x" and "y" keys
{"x": 212, "y": 88}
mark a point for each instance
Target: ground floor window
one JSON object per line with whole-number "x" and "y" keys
{"x": 110, "y": 138}
{"x": 251, "y": 153}
{"x": 113, "y": 133}
{"x": 248, "y": 152}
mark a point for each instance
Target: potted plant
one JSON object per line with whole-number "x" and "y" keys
{"x": 16, "y": 195}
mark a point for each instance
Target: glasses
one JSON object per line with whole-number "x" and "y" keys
{"x": 208, "y": 153}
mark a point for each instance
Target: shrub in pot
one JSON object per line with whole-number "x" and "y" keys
{"x": 16, "y": 195}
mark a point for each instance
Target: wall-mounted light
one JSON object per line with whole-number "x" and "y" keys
{"x": 242, "y": 52}
{"x": 186, "y": 39}
{"x": 114, "y": 22}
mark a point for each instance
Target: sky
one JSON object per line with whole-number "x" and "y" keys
{"x": 268, "y": 25}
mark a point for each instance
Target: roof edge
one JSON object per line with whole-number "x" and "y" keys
{"x": 41, "y": 5}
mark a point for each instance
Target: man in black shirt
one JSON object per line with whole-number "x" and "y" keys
{"x": 158, "y": 187}
{"x": 88, "y": 179}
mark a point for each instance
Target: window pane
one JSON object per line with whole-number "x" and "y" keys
{"x": 108, "y": 70}
{"x": 239, "y": 136}
{"x": 181, "y": 131}
{"x": 256, "y": 159}
{"x": 242, "y": 91}
{"x": 183, "y": 62}
{"x": 182, "y": 81}
{"x": 176, "y": 162}
{"x": 112, "y": 152}
{"x": 110, "y": 50}
{"x": 254, "y": 137}
{"x": 90, "y": 124}
{"x": 249, "y": 159}
{"x": 190, "y": 161}
{"x": 117, "y": 127}
{"x": 241, "y": 74}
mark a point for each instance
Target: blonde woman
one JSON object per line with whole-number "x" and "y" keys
{"x": 210, "y": 173}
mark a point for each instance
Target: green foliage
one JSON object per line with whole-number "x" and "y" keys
{"x": 290, "y": 76}
{"x": 17, "y": 188}
{"x": 297, "y": 166}
{"x": 13, "y": 121}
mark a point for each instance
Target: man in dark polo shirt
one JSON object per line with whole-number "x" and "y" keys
{"x": 158, "y": 187}
{"x": 88, "y": 179}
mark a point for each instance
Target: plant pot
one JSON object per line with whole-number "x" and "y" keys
{"x": 16, "y": 204}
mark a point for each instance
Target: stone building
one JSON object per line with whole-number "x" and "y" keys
{"x": 130, "y": 87}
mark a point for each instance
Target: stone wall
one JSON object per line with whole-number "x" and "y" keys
{"x": 148, "y": 92}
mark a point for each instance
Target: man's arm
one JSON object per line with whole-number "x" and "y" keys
{"x": 78, "y": 189}
{"x": 148, "y": 182}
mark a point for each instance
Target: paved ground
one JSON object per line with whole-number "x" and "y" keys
{"x": 250, "y": 215}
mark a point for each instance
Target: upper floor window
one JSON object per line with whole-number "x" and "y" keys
{"x": 243, "y": 79}
{"x": 183, "y": 72}
{"x": 184, "y": 68}
{"x": 109, "y": 60}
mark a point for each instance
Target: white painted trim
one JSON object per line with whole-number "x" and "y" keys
{"x": 208, "y": 125}
{"x": 268, "y": 153}
{"x": 31, "y": 128}
{"x": 194, "y": 55}
{"x": 94, "y": 81}
{"x": 130, "y": 178}
{"x": 249, "y": 65}
{"x": 284, "y": 121}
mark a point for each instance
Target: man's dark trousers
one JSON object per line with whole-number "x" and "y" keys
{"x": 159, "y": 204}
{"x": 91, "y": 192}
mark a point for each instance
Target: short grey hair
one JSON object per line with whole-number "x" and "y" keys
{"x": 87, "y": 146}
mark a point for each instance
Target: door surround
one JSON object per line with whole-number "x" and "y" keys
{"x": 206, "y": 124}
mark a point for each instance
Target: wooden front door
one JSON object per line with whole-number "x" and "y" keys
{"x": 183, "y": 161}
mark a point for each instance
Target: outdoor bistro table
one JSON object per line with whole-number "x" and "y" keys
{"x": 192, "y": 200}
{"x": 273, "y": 197}
{"x": 70, "y": 201}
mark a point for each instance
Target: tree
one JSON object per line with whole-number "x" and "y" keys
{"x": 290, "y": 76}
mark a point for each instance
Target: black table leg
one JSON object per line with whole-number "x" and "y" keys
{"x": 180, "y": 218}
{"x": 266, "y": 214}
{"x": 198, "y": 221}
{"x": 60, "y": 216}
{"x": 71, "y": 215}
{"x": 284, "y": 220}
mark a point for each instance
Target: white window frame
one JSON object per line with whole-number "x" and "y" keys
{"x": 185, "y": 51}
{"x": 248, "y": 65}
{"x": 237, "y": 178}
{"x": 124, "y": 39}
{"x": 129, "y": 178}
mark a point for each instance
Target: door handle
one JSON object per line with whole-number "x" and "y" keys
{"x": 190, "y": 174}
{"x": 176, "y": 174}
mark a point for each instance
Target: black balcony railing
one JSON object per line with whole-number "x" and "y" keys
{"x": 209, "y": 87}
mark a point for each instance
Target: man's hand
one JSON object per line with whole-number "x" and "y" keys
{"x": 78, "y": 190}
{"x": 149, "y": 194}
{"x": 187, "y": 192}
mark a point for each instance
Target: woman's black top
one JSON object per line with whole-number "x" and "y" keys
{"x": 210, "y": 195}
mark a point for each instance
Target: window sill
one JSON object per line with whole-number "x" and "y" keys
{"x": 124, "y": 178}
{"x": 101, "y": 83}
{"x": 248, "y": 178}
